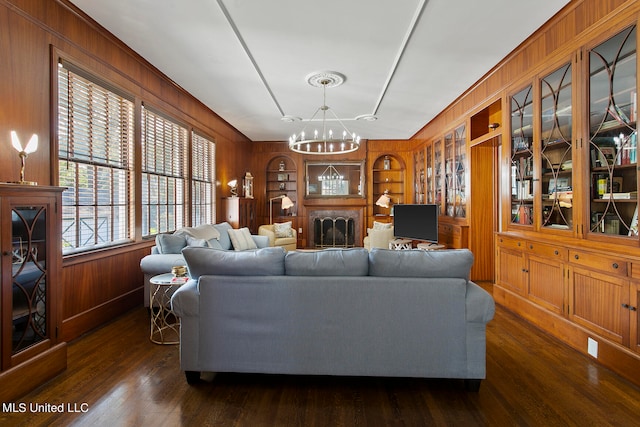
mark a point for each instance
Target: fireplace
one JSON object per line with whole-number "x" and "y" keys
{"x": 335, "y": 229}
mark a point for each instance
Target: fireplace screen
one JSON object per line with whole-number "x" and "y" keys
{"x": 334, "y": 232}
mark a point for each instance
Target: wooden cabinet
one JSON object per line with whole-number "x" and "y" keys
{"x": 387, "y": 178}
{"x": 533, "y": 270}
{"x": 241, "y": 212}
{"x": 597, "y": 291}
{"x": 30, "y": 230}
{"x": 453, "y": 235}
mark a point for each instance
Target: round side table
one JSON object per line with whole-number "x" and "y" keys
{"x": 430, "y": 246}
{"x": 400, "y": 244}
{"x": 165, "y": 325}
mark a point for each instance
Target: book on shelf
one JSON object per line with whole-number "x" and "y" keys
{"x": 621, "y": 196}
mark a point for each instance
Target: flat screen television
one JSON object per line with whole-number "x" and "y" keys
{"x": 417, "y": 222}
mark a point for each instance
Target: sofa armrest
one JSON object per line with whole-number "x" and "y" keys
{"x": 479, "y": 303}
{"x": 267, "y": 230}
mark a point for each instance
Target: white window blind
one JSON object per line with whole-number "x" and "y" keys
{"x": 202, "y": 180}
{"x": 95, "y": 148}
{"x": 164, "y": 173}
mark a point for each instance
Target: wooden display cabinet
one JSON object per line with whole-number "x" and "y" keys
{"x": 281, "y": 179}
{"x": 31, "y": 262}
{"x": 388, "y": 176}
{"x": 241, "y": 212}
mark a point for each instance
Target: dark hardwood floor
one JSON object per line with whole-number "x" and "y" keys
{"x": 117, "y": 377}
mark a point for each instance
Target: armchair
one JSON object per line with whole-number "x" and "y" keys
{"x": 378, "y": 238}
{"x": 288, "y": 243}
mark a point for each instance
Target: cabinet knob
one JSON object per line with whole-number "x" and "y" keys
{"x": 615, "y": 265}
{"x": 6, "y": 253}
{"x": 556, "y": 252}
{"x": 632, "y": 308}
{"x": 625, "y": 305}
{"x": 530, "y": 246}
{"x": 518, "y": 243}
{"x": 576, "y": 256}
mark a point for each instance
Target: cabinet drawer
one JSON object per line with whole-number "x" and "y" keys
{"x": 506, "y": 242}
{"x": 550, "y": 251}
{"x": 613, "y": 265}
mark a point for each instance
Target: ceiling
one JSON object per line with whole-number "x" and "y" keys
{"x": 247, "y": 60}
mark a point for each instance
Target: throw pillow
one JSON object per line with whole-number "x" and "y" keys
{"x": 241, "y": 239}
{"x": 194, "y": 242}
{"x": 382, "y": 225}
{"x": 283, "y": 229}
{"x": 170, "y": 244}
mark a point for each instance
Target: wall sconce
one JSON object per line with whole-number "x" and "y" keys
{"x": 31, "y": 147}
{"x": 233, "y": 185}
{"x": 384, "y": 200}
{"x": 286, "y": 204}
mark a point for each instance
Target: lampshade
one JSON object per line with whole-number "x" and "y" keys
{"x": 384, "y": 200}
{"x": 286, "y": 204}
{"x": 31, "y": 147}
{"x": 233, "y": 184}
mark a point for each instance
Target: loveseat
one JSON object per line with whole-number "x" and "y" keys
{"x": 344, "y": 312}
{"x": 167, "y": 251}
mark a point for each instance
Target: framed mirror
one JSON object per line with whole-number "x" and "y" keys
{"x": 334, "y": 179}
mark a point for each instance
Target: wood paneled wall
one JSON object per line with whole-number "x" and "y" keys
{"x": 31, "y": 29}
{"x": 95, "y": 287}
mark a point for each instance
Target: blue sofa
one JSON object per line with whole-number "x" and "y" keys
{"x": 333, "y": 312}
{"x": 167, "y": 251}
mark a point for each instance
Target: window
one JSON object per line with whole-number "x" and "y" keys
{"x": 164, "y": 173}
{"x": 202, "y": 180}
{"x": 95, "y": 148}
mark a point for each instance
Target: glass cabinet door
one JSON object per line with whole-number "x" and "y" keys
{"x": 438, "y": 172}
{"x": 429, "y": 182}
{"x": 419, "y": 178}
{"x": 522, "y": 157}
{"x": 460, "y": 172}
{"x": 29, "y": 276}
{"x": 613, "y": 136}
{"x": 555, "y": 149}
{"x": 450, "y": 178}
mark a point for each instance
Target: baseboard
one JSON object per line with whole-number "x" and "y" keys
{"x": 21, "y": 379}
{"x": 84, "y": 322}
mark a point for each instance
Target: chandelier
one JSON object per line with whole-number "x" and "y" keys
{"x": 324, "y": 140}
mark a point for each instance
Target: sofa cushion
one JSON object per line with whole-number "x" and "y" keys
{"x": 261, "y": 262}
{"x": 455, "y": 263}
{"x": 225, "y": 241}
{"x": 170, "y": 243}
{"x": 283, "y": 230}
{"x": 241, "y": 239}
{"x": 328, "y": 262}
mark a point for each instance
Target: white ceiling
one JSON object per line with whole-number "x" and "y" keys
{"x": 404, "y": 60}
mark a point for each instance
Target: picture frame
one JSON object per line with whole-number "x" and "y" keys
{"x": 283, "y": 177}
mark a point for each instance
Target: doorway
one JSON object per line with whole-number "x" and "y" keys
{"x": 485, "y": 208}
